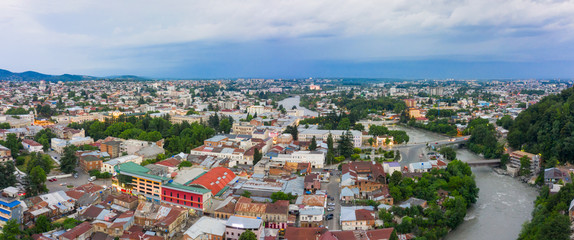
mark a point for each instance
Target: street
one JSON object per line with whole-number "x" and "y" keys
{"x": 334, "y": 191}
{"x": 62, "y": 183}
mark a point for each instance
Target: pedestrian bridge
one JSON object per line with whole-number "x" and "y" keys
{"x": 489, "y": 162}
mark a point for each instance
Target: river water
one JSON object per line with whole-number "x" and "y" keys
{"x": 504, "y": 203}
{"x": 288, "y": 103}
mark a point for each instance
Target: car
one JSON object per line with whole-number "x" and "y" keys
{"x": 332, "y": 198}
{"x": 436, "y": 143}
{"x": 331, "y": 209}
{"x": 331, "y": 204}
{"x": 452, "y": 139}
{"x": 55, "y": 179}
{"x": 329, "y": 216}
{"x": 50, "y": 180}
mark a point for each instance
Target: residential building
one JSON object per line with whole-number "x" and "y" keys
{"x": 111, "y": 147}
{"x": 308, "y": 134}
{"x": 206, "y": 228}
{"x": 90, "y": 162}
{"x": 236, "y": 225}
{"x": 10, "y": 208}
{"x": 535, "y": 161}
{"x": 32, "y": 146}
{"x": 5, "y": 154}
{"x": 80, "y": 232}
{"x": 357, "y": 218}
{"x": 312, "y": 182}
{"x": 315, "y": 158}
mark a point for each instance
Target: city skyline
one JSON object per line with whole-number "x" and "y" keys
{"x": 296, "y": 39}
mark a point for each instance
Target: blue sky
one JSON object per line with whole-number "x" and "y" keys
{"x": 287, "y": 39}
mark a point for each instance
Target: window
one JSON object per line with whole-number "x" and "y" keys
{"x": 178, "y": 195}
{"x": 171, "y": 194}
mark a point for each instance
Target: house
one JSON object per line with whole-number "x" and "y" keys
{"x": 305, "y": 233}
{"x": 420, "y": 167}
{"x": 32, "y": 146}
{"x": 236, "y": 225}
{"x": 312, "y": 182}
{"x": 5, "y": 154}
{"x": 311, "y": 216}
{"x": 554, "y": 176}
{"x": 165, "y": 220}
{"x": 80, "y": 232}
{"x": 116, "y": 227}
{"x": 391, "y": 167}
{"x": 90, "y": 162}
{"x": 535, "y": 161}
{"x": 411, "y": 202}
{"x": 357, "y": 218}
{"x": 206, "y": 228}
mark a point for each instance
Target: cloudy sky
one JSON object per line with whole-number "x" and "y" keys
{"x": 290, "y": 38}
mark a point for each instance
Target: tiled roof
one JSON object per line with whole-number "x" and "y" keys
{"x": 215, "y": 180}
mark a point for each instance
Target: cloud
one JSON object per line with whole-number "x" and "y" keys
{"x": 82, "y": 35}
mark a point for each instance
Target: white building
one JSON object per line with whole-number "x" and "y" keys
{"x": 110, "y": 165}
{"x": 31, "y": 145}
{"x": 315, "y": 158}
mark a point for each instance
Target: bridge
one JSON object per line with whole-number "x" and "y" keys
{"x": 489, "y": 162}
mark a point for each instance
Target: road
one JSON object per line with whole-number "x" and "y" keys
{"x": 81, "y": 180}
{"x": 333, "y": 190}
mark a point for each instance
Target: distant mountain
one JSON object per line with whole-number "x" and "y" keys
{"x": 36, "y": 76}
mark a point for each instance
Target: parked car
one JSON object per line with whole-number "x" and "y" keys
{"x": 332, "y": 198}
{"x": 331, "y": 209}
{"x": 331, "y": 204}
{"x": 329, "y": 216}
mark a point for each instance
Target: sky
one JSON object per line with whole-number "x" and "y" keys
{"x": 465, "y": 39}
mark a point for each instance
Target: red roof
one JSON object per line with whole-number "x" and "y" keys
{"x": 31, "y": 142}
{"x": 170, "y": 162}
{"x": 215, "y": 180}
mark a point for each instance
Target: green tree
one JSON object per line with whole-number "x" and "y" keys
{"x": 345, "y": 145}
{"x": 225, "y": 125}
{"x": 43, "y": 224}
{"x": 7, "y": 177}
{"x": 448, "y": 152}
{"x": 246, "y": 194}
{"x": 344, "y": 124}
{"x": 11, "y": 230}
{"x": 184, "y": 164}
{"x": 359, "y": 127}
{"x": 505, "y": 122}
{"x": 257, "y": 156}
{"x": 5, "y": 125}
{"x": 524, "y": 166}
{"x": 69, "y": 160}
{"x": 13, "y": 143}
{"x": 35, "y": 181}
{"x": 504, "y": 160}
{"x": 248, "y": 234}
{"x": 313, "y": 145}
{"x": 378, "y": 130}
{"x": 330, "y": 143}
{"x": 395, "y": 178}
{"x": 42, "y": 160}
{"x": 330, "y": 158}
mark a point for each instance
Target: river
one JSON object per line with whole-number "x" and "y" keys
{"x": 503, "y": 205}
{"x": 288, "y": 103}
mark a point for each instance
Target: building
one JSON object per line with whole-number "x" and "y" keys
{"x": 32, "y": 146}
{"x": 90, "y": 162}
{"x": 214, "y": 180}
{"x": 5, "y": 154}
{"x": 243, "y": 128}
{"x": 236, "y": 225}
{"x": 155, "y": 186}
{"x": 206, "y": 228}
{"x": 80, "y": 232}
{"x": 535, "y": 161}
{"x": 10, "y": 208}
{"x": 275, "y": 215}
{"x": 420, "y": 167}
{"x": 391, "y": 167}
{"x": 315, "y": 158}
{"x": 311, "y": 216}
{"x": 411, "y": 103}
{"x": 109, "y": 166}
{"x": 357, "y": 218}
{"x": 111, "y": 147}
{"x": 312, "y": 182}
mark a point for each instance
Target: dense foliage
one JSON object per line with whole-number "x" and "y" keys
{"x": 7, "y": 177}
{"x": 547, "y": 127}
{"x": 399, "y": 136}
{"x": 434, "y": 221}
{"x": 483, "y": 138}
{"x": 180, "y": 137}
{"x": 549, "y": 219}
{"x": 438, "y": 126}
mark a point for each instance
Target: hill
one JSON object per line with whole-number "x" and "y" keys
{"x": 6, "y": 75}
{"x": 547, "y": 127}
